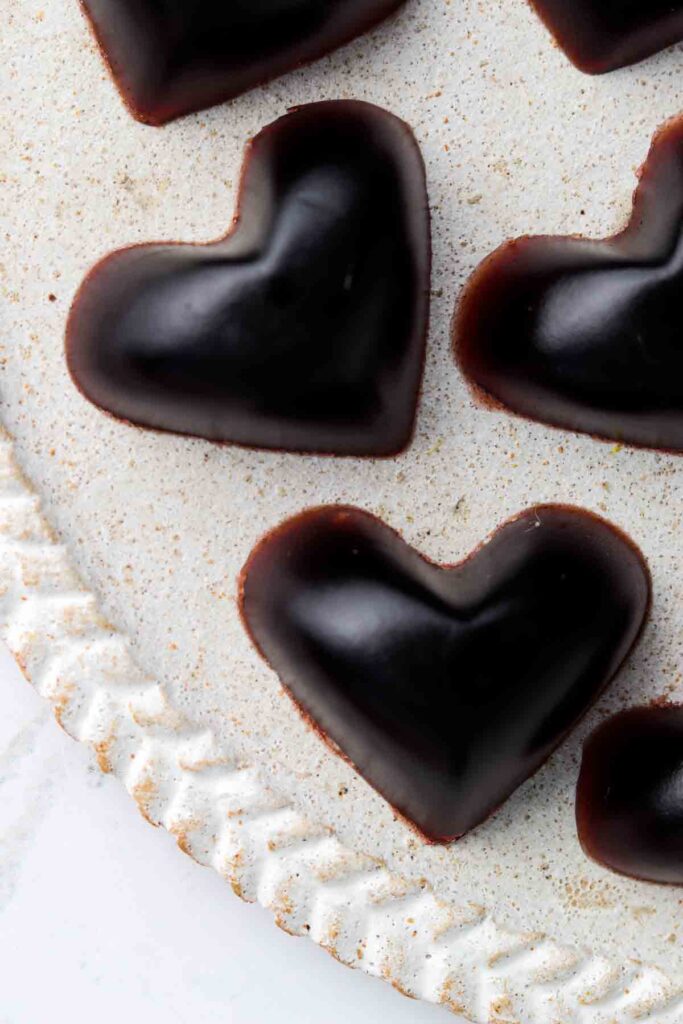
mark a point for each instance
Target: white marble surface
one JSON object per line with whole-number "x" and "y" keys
{"x": 86, "y": 921}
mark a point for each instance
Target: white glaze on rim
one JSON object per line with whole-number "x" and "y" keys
{"x": 225, "y": 817}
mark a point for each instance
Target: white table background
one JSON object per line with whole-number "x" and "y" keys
{"x": 102, "y": 918}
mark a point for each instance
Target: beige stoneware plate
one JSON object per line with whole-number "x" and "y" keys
{"x": 122, "y": 610}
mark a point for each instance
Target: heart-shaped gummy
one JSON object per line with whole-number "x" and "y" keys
{"x": 601, "y": 35}
{"x": 445, "y": 686}
{"x": 172, "y": 57}
{"x": 588, "y": 335}
{"x": 629, "y": 807}
{"x": 304, "y": 329}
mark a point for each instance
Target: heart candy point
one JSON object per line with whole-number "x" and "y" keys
{"x": 302, "y": 330}
{"x": 588, "y": 335}
{"x": 603, "y": 35}
{"x": 172, "y": 58}
{"x": 445, "y": 686}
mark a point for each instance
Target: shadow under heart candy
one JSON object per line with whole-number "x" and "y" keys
{"x": 445, "y": 686}
{"x": 629, "y": 807}
{"x": 602, "y": 35}
{"x": 588, "y": 335}
{"x": 304, "y": 329}
{"x": 172, "y": 57}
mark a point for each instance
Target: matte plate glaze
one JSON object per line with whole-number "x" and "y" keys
{"x": 513, "y": 924}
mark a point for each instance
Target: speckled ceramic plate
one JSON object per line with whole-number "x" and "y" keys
{"x": 512, "y": 924}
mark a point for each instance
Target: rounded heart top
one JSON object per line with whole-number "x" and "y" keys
{"x": 304, "y": 329}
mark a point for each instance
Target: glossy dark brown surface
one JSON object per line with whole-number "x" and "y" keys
{"x": 602, "y": 35}
{"x": 304, "y": 329}
{"x": 446, "y": 686}
{"x": 629, "y": 808}
{"x": 588, "y": 335}
{"x": 172, "y": 57}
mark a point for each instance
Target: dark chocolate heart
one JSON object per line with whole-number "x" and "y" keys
{"x": 601, "y": 35}
{"x": 304, "y": 329}
{"x": 629, "y": 808}
{"x": 172, "y": 57}
{"x": 588, "y": 335}
{"x": 446, "y": 686}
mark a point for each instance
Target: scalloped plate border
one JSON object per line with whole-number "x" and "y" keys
{"x": 224, "y": 817}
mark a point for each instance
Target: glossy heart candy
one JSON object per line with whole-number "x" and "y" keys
{"x": 601, "y": 35}
{"x": 172, "y": 57}
{"x": 304, "y": 329}
{"x": 445, "y": 686}
{"x": 588, "y": 335}
{"x": 629, "y": 807}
